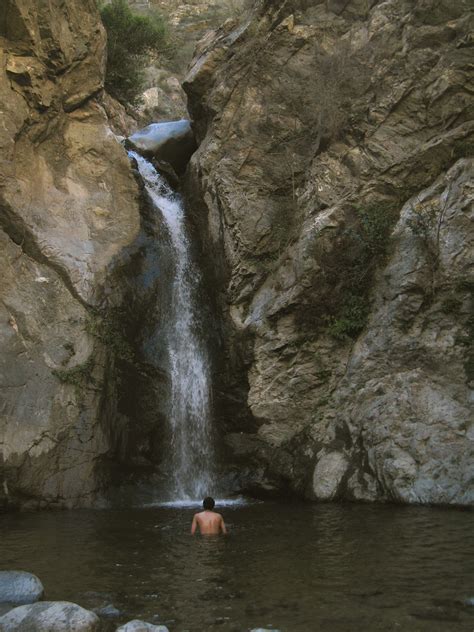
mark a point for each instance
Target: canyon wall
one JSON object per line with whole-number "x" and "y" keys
{"x": 332, "y": 195}
{"x": 68, "y": 213}
{"x": 333, "y": 190}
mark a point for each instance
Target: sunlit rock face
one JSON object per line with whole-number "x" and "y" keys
{"x": 68, "y": 208}
{"x": 334, "y": 180}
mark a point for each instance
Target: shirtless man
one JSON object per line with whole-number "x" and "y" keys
{"x": 208, "y": 521}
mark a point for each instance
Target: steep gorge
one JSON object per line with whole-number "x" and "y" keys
{"x": 332, "y": 197}
{"x": 334, "y": 175}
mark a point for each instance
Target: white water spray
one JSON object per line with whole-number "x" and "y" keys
{"x": 191, "y": 455}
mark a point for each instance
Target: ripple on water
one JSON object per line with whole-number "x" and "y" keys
{"x": 187, "y": 503}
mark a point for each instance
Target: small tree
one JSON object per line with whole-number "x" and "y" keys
{"x": 131, "y": 41}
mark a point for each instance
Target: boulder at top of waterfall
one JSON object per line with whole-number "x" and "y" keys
{"x": 50, "y": 616}
{"x": 19, "y": 587}
{"x": 172, "y": 142}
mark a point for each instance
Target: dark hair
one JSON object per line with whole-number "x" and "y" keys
{"x": 208, "y": 503}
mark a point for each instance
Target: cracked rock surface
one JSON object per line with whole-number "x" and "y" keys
{"x": 68, "y": 208}
{"x": 334, "y": 187}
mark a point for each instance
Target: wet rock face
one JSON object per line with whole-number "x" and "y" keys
{"x": 171, "y": 142}
{"x": 333, "y": 187}
{"x": 68, "y": 208}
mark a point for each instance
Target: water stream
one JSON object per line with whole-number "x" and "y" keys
{"x": 190, "y": 457}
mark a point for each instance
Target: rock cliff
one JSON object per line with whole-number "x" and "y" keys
{"x": 333, "y": 189}
{"x": 68, "y": 211}
{"x": 332, "y": 194}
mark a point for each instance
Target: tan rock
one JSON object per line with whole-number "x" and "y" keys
{"x": 68, "y": 209}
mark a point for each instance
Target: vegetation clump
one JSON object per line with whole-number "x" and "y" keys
{"x": 132, "y": 40}
{"x": 340, "y": 290}
{"x": 109, "y": 329}
{"x": 79, "y": 376}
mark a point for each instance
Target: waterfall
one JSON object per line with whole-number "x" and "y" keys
{"x": 190, "y": 456}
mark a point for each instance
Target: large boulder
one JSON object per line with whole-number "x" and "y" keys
{"x": 50, "y": 616}
{"x": 19, "y": 587}
{"x": 172, "y": 142}
{"x": 141, "y": 626}
{"x": 328, "y": 473}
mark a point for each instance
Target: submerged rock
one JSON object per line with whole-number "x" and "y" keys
{"x": 172, "y": 142}
{"x": 108, "y": 610}
{"x": 20, "y": 587}
{"x": 141, "y": 626}
{"x": 50, "y": 616}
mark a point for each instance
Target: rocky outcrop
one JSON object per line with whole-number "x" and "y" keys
{"x": 333, "y": 185}
{"x": 68, "y": 211}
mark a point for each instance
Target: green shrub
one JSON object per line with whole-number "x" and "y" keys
{"x": 340, "y": 288}
{"x": 109, "y": 328}
{"x": 131, "y": 41}
{"x": 80, "y": 376}
{"x": 375, "y": 226}
{"x": 351, "y": 319}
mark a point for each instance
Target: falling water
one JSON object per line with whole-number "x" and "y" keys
{"x": 191, "y": 454}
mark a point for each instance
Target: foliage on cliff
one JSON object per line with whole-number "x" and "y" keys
{"x": 131, "y": 41}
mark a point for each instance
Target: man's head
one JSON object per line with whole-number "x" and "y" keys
{"x": 208, "y": 503}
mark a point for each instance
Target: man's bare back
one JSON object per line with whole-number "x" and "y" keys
{"x": 209, "y": 522}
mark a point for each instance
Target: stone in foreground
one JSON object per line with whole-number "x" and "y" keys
{"x": 50, "y": 616}
{"x": 141, "y": 626}
{"x": 20, "y": 587}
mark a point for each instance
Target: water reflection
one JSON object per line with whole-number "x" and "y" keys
{"x": 294, "y": 567}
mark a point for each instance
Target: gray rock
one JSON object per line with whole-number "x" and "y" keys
{"x": 50, "y": 616}
{"x": 281, "y": 178}
{"x": 172, "y": 142}
{"x": 328, "y": 474}
{"x": 20, "y": 587}
{"x": 141, "y": 626}
{"x": 108, "y": 610}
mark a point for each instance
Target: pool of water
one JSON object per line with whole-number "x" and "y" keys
{"x": 291, "y": 567}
